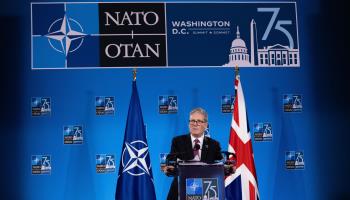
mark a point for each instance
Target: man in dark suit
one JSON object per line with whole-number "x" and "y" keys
{"x": 193, "y": 147}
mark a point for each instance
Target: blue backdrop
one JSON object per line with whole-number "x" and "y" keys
{"x": 319, "y": 130}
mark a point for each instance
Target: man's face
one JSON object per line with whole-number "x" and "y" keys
{"x": 197, "y": 124}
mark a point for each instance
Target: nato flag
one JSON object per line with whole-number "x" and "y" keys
{"x": 135, "y": 179}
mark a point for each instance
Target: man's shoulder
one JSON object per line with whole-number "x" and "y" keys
{"x": 181, "y": 137}
{"x": 211, "y": 140}
{"x": 181, "y": 140}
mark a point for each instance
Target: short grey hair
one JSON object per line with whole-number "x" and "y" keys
{"x": 201, "y": 111}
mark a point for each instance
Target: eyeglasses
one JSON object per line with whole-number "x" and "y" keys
{"x": 199, "y": 122}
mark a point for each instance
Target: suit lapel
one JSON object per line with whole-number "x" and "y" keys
{"x": 188, "y": 146}
{"x": 204, "y": 149}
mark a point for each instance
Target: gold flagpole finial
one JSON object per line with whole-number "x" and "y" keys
{"x": 134, "y": 71}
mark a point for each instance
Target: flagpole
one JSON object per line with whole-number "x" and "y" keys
{"x": 134, "y": 71}
{"x": 236, "y": 78}
{"x": 236, "y": 70}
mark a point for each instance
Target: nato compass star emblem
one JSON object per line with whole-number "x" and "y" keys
{"x": 136, "y": 164}
{"x": 65, "y": 35}
{"x": 194, "y": 187}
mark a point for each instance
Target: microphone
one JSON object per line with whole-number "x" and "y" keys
{"x": 228, "y": 154}
{"x": 181, "y": 155}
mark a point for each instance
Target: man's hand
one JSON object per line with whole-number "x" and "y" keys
{"x": 167, "y": 169}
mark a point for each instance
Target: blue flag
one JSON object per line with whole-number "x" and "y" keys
{"x": 135, "y": 179}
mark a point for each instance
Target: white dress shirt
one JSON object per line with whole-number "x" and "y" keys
{"x": 197, "y": 158}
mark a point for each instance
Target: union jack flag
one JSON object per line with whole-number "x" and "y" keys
{"x": 243, "y": 184}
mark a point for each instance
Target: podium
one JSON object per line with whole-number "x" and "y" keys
{"x": 198, "y": 180}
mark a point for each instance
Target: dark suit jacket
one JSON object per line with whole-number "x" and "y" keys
{"x": 182, "y": 147}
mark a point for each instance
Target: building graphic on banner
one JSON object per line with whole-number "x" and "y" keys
{"x": 274, "y": 55}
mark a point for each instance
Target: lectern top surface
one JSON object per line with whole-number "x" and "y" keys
{"x": 199, "y": 163}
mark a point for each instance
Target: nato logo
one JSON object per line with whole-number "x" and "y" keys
{"x": 65, "y": 35}
{"x": 227, "y": 103}
{"x": 167, "y": 104}
{"x": 135, "y": 158}
{"x": 163, "y": 159}
{"x": 263, "y": 131}
{"x": 94, "y": 35}
{"x": 105, "y": 105}
{"x": 105, "y": 163}
{"x": 41, "y": 106}
{"x": 41, "y": 164}
{"x": 207, "y": 132}
{"x": 166, "y": 159}
{"x": 73, "y": 134}
{"x": 62, "y": 36}
{"x": 292, "y": 103}
{"x": 294, "y": 160}
{"x": 194, "y": 188}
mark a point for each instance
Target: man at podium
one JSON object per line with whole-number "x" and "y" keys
{"x": 192, "y": 147}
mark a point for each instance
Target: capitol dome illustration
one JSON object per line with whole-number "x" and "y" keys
{"x": 238, "y": 52}
{"x": 238, "y": 42}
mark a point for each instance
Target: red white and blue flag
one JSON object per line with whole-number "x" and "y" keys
{"x": 243, "y": 184}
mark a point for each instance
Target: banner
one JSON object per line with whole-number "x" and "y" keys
{"x": 72, "y": 35}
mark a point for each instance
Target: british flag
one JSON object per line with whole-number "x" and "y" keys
{"x": 243, "y": 184}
